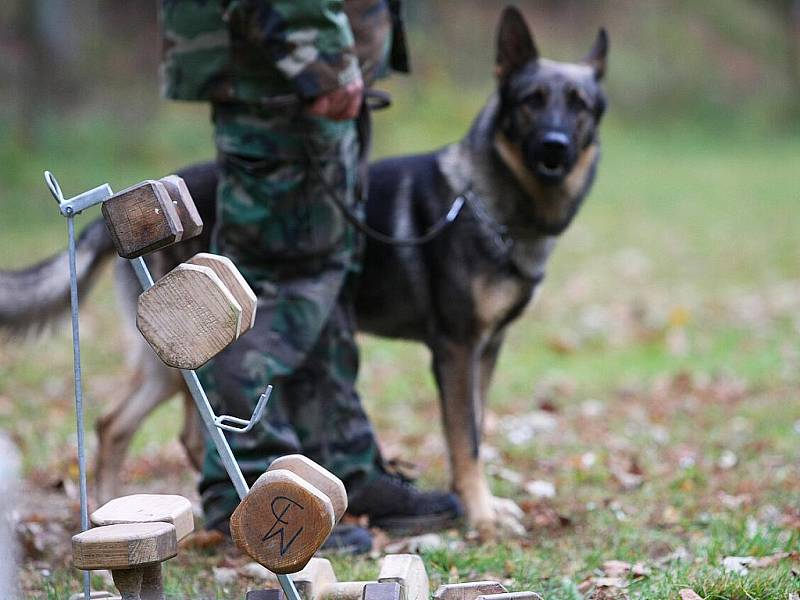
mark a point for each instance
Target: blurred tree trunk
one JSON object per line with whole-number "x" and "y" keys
{"x": 32, "y": 76}
{"x": 794, "y": 51}
{"x": 48, "y": 29}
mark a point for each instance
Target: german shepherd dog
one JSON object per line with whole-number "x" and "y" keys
{"x": 524, "y": 167}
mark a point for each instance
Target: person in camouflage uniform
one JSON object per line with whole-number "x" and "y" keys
{"x": 284, "y": 78}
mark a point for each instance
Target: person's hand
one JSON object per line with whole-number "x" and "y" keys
{"x": 340, "y": 104}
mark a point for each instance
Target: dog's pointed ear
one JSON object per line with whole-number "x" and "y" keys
{"x": 515, "y": 46}
{"x": 597, "y": 55}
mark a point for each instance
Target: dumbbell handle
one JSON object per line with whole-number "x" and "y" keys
{"x": 344, "y": 590}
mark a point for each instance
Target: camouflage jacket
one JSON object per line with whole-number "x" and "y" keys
{"x": 252, "y": 50}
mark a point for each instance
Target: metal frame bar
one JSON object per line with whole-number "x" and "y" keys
{"x": 214, "y": 424}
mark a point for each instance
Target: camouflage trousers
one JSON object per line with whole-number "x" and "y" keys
{"x": 291, "y": 243}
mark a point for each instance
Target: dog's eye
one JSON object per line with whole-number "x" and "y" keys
{"x": 576, "y": 100}
{"x": 536, "y": 99}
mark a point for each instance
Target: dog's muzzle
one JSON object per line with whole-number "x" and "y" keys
{"x": 549, "y": 157}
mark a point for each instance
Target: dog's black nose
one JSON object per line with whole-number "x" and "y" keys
{"x": 555, "y": 144}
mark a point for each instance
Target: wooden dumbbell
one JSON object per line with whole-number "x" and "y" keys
{"x": 148, "y": 508}
{"x": 184, "y": 205}
{"x": 188, "y": 316}
{"x": 132, "y": 552}
{"x": 317, "y": 581}
{"x": 141, "y": 219}
{"x": 236, "y": 284}
{"x": 282, "y": 521}
{"x": 468, "y": 591}
{"x": 408, "y": 571}
{"x": 402, "y": 577}
{"x": 151, "y": 215}
{"x": 318, "y": 476}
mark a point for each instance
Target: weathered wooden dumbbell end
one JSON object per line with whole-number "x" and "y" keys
{"x": 318, "y": 476}
{"x": 184, "y": 205}
{"x": 282, "y": 521}
{"x": 468, "y": 591}
{"x": 236, "y": 284}
{"x": 188, "y": 316}
{"x": 132, "y": 552}
{"x": 147, "y": 508}
{"x": 382, "y": 591}
{"x": 141, "y": 219}
{"x": 408, "y": 571}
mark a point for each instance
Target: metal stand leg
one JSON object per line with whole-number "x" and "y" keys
{"x": 76, "y": 355}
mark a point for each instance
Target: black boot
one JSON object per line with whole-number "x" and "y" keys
{"x": 393, "y": 503}
{"x": 348, "y": 539}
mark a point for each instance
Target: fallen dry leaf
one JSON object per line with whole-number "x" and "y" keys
{"x": 627, "y": 472}
{"x": 610, "y": 582}
{"x": 742, "y": 564}
{"x": 670, "y": 516}
{"x": 620, "y": 568}
{"x": 616, "y": 568}
{"x": 688, "y": 594}
{"x": 539, "y": 488}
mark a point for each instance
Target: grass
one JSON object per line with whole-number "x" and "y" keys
{"x": 665, "y": 338}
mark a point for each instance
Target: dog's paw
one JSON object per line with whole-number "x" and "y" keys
{"x": 496, "y": 518}
{"x": 508, "y": 516}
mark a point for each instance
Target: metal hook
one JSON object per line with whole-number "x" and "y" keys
{"x": 73, "y": 206}
{"x": 242, "y": 425}
{"x": 55, "y": 189}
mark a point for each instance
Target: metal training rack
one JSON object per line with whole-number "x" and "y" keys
{"x": 214, "y": 424}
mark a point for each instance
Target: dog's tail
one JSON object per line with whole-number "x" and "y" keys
{"x": 37, "y": 297}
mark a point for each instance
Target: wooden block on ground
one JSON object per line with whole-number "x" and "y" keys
{"x": 184, "y": 205}
{"x": 388, "y": 590}
{"x": 188, "y": 316}
{"x": 511, "y": 596}
{"x": 124, "y": 546}
{"x": 142, "y": 219}
{"x": 282, "y": 521}
{"x": 231, "y": 277}
{"x": 408, "y": 570}
{"x": 468, "y": 591}
{"x": 318, "y": 476}
{"x": 147, "y": 508}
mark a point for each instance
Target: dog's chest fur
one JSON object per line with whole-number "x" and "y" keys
{"x": 509, "y": 271}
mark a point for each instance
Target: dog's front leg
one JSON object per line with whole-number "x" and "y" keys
{"x": 152, "y": 384}
{"x": 457, "y": 368}
{"x": 507, "y": 514}
{"x": 192, "y": 434}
